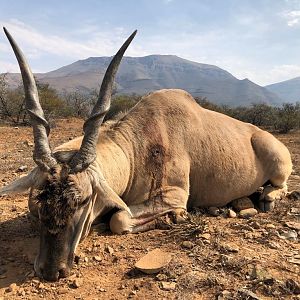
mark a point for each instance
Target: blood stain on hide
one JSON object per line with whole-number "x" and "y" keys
{"x": 156, "y": 166}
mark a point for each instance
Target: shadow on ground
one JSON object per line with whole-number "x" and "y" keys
{"x": 16, "y": 252}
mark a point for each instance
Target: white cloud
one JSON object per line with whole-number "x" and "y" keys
{"x": 36, "y": 43}
{"x": 262, "y": 76}
{"x": 292, "y": 17}
{"x": 8, "y": 67}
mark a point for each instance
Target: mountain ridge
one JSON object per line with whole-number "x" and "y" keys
{"x": 289, "y": 90}
{"x": 141, "y": 75}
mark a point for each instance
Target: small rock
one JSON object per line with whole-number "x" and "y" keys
{"x": 21, "y": 292}
{"x": 41, "y": 286}
{"x": 205, "y": 236}
{"x": 295, "y": 261}
{"x": 231, "y": 248}
{"x": 28, "y": 143}
{"x": 86, "y": 259}
{"x": 293, "y": 286}
{"x": 290, "y": 235}
{"x": 295, "y": 211}
{"x": 161, "y": 277}
{"x": 12, "y": 288}
{"x": 248, "y": 213}
{"x": 225, "y": 295}
{"x": 154, "y": 261}
{"x": 167, "y": 286}
{"x": 97, "y": 258}
{"x": 270, "y": 226}
{"x": 214, "y": 211}
{"x": 254, "y": 224}
{"x": 294, "y": 195}
{"x": 62, "y": 291}
{"x": 293, "y": 225}
{"x": 248, "y": 294}
{"x": 187, "y": 244}
{"x": 22, "y": 168}
{"x": 260, "y": 274}
{"x": 109, "y": 249}
{"x": 102, "y": 290}
{"x": 273, "y": 245}
{"x": 242, "y": 203}
{"x": 132, "y": 293}
{"x": 77, "y": 283}
{"x": 231, "y": 213}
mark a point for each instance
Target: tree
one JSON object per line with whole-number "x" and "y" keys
{"x": 288, "y": 117}
{"x": 121, "y": 104}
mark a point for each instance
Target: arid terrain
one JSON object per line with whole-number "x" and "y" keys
{"x": 214, "y": 257}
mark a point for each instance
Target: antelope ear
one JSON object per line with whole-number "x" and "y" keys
{"x": 109, "y": 198}
{"x": 34, "y": 179}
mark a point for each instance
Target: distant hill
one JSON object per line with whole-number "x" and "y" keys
{"x": 288, "y": 90}
{"x": 141, "y": 75}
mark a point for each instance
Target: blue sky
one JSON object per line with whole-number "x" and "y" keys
{"x": 258, "y": 39}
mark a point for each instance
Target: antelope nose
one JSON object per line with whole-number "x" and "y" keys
{"x": 50, "y": 275}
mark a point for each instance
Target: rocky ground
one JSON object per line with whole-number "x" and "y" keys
{"x": 213, "y": 257}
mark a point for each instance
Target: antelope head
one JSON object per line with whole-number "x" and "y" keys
{"x": 66, "y": 185}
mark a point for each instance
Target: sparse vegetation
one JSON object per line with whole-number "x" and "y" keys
{"x": 281, "y": 119}
{"x": 78, "y": 104}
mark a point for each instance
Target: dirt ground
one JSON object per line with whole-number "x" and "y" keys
{"x": 213, "y": 257}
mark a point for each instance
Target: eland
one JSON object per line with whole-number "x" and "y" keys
{"x": 166, "y": 155}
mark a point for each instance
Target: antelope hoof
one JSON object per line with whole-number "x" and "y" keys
{"x": 179, "y": 216}
{"x": 266, "y": 206}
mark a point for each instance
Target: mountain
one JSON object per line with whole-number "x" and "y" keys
{"x": 141, "y": 75}
{"x": 288, "y": 90}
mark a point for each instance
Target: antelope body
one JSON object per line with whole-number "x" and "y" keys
{"x": 166, "y": 155}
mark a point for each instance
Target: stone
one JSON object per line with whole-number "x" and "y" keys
{"x": 167, "y": 286}
{"x": 187, "y": 244}
{"x": 293, "y": 225}
{"x": 231, "y": 213}
{"x": 62, "y": 291}
{"x": 270, "y": 226}
{"x": 154, "y": 261}
{"x": 294, "y": 195}
{"x": 41, "y": 286}
{"x": 295, "y": 211}
{"x": 248, "y": 213}
{"x": 97, "y": 258}
{"x": 132, "y": 293}
{"x": 109, "y": 249}
{"x": 77, "y": 283}
{"x": 248, "y": 294}
{"x": 22, "y": 168}
{"x": 214, "y": 211}
{"x": 230, "y": 248}
{"x": 242, "y": 203}
{"x": 295, "y": 261}
{"x": 12, "y": 288}
{"x": 254, "y": 224}
{"x": 225, "y": 295}
{"x": 161, "y": 277}
{"x": 260, "y": 274}
{"x": 28, "y": 143}
{"x": 290, "y": 235}
{"x": 205, "y": 236}
{"x": 293, "y": 286}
